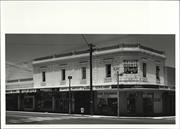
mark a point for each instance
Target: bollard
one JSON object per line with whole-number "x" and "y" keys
{"x": 82, "y": 110}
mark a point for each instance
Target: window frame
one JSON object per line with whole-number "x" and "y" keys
{"x": 144, "y": 69}
{"x": 158, "y": 72}
{"x": 83, "y": 73}
{"x": 63, "y": 74}
{"x": 108, "y": 70}
{"x": 43, "y": 76}
{"x": 130, "y": 66}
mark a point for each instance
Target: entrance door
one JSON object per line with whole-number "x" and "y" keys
{"x": 148, "y": 104}
{"x": 131, "y": 103}
{"x": 112, "y": 104}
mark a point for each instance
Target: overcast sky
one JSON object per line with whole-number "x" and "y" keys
{"x": 25, "y": 47}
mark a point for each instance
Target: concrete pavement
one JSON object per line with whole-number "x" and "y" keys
{"x": 17, "y": 117}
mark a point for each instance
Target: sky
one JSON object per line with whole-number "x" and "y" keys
{"x": 23, "y": 48}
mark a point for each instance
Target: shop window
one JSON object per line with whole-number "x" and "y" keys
{"x": 43, "y": 76}
{"x": 144, "y": 69}
{"x": 130, "y": 66}
{"x": 157, "y": 73}
{"x": 108, "y": 70}
{"x": 28, "y": 102}
{"x": 63, "y": 74}
{"x": 83, "y": 70}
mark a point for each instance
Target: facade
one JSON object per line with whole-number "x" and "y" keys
{"x": 127, "y": 79}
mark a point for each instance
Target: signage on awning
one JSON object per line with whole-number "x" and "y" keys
{"x": 12, "y": 91}
{"x": 46, "y": 89}
{"x": 28, "y": 91}
{"x": 107, "y": 94}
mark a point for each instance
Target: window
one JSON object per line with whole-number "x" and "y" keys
{"x": 108, "y": 70}
{"x": 157, "y": 73}
{"x": 130, "y": 66}
{"x": 63, "y": 74}
{"x": 144, "y": 69}
{"x": 43, "y": 76}
{"x": 83, "y": 69}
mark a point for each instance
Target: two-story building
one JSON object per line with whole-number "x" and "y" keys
{"x": 130, "y": 75}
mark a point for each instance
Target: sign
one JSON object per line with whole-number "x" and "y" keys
{"x": 102, "y": 87}
{"x": 107, "y": 94}
{"x": 46, "y": 90}
{"x": 12, "y": 91}
{"x": 74, "y": 88}
{"x": 28, "y": 91}
{"x": 129, "y": 79}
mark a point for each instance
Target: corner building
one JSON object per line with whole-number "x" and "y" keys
{"x": 141, "y": 83}
{"x": 129, "y": 79}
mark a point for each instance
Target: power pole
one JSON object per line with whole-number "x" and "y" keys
{"x": 91, "y": 77}
{"x": 91, "y": 86}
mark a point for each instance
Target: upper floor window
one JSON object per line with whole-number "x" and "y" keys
{"x": 63, "y": 74}
{"x": 108, "y": 70}
{"x": 83, "y": 71}
{"x": 130, "y": 66}
{"x": 157, "y": 73}
{"x": 43, "y": 76}
{"x": 144, "y": 69}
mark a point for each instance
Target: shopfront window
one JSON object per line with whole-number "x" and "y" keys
{"x": 44, "y": 102}
{"x": 130, "y": 66}
{"x": 28, "y": 102}
{"x": 131, "y": 103}
{"x": 148, "y": 103}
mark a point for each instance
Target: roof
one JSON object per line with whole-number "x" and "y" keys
{"x": 17, "y": 72}
{"x": 100, "y": 50}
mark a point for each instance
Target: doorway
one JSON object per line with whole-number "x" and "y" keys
{"x": 148, "y": 103}
{"x": 131, "y": 103}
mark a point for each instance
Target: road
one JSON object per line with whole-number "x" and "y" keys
{"x": 16, "y": 117}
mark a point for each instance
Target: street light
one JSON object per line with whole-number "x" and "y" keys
{"x": 118, "y": 100}
{"x": 69, "y": 77}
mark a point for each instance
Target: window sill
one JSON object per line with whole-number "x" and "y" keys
{"x": 63, "y": 82}
{"x": 43, "y": 83}
{"x": 83, "y": 81}
{"x": 158, "y": 81}
{"x": 144, "y": 79}
{"x": 107, "y": 79}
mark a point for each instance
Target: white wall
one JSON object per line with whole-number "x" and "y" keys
{"x": 73, "y": 68}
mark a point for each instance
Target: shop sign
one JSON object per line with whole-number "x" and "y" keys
{"x": 80, "y": 88}
{"x": 128, "y": 79}
{"x": 74, "y": 88}
{"x": 46, "y": 90}
{"x": 63, "y": 89}
{"x": 101, "y": 87}
{"x": 28, "y": 91}
{"x": 107, "y": 94}
{"x": 12, "y": 91}
{"x": 146, "y": 95}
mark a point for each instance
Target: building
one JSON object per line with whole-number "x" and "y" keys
{"x": 19, "y": 79}
{"x": 128, "y": 79}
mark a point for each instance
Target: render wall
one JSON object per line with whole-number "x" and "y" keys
{"x": 73, "y": 68}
